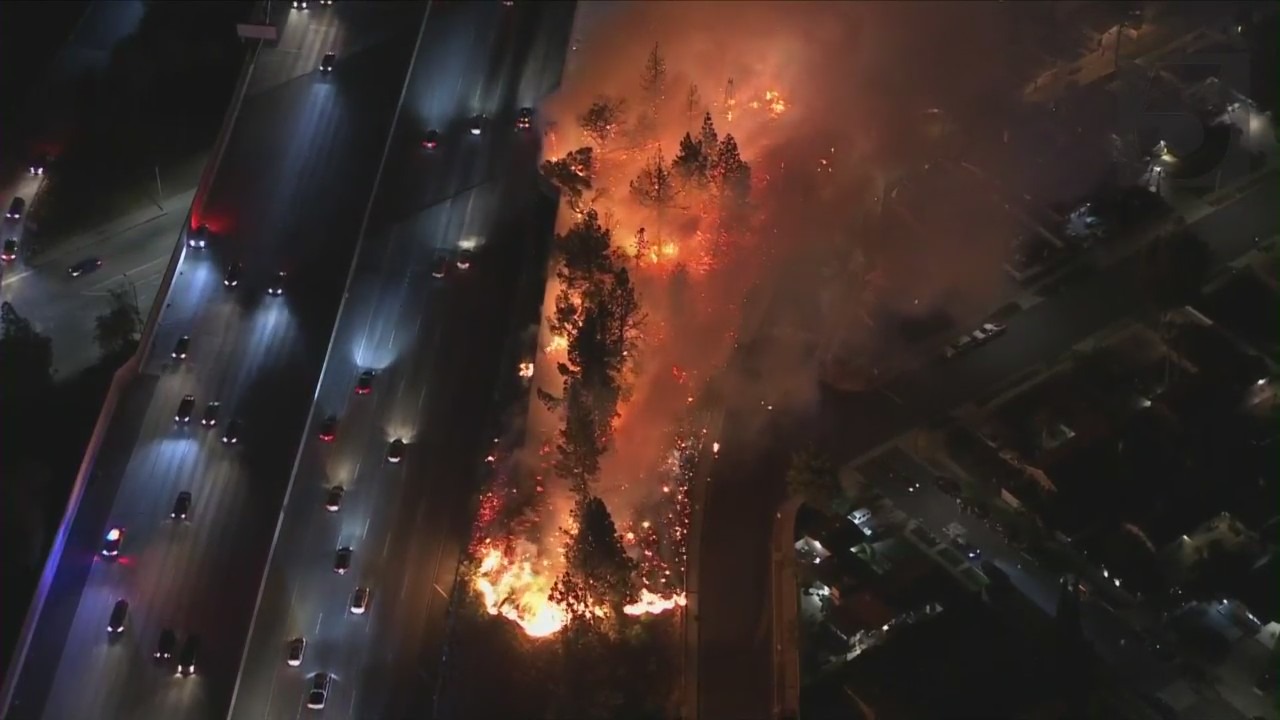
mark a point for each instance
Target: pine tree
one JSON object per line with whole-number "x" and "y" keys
{"x": 708, "y": 139}
{"x": 653, "y": 80}
{"x": 690, "y": 164}
{"x": 654, "y": 187}
{"x": 733, "y": 175}
{"x": 603, "y": 120}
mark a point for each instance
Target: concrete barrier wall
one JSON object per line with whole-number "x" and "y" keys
{"x": 119, "y": 384}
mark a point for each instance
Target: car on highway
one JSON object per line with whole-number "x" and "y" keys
{"x": 301, "y": 4}
{"x": 342, "y": 560}
{"x": 319, "y": 692}
{"x": 165, "y": 645}
{"x": 971, "y": 552}
{"x": 477, "y": 124}
{"x": 439, "y": 265}
{"x": 297, "y": 648}
{"x": 913, "y": 485}
{"x": 364, "y": 384}
{"x": 119, "y": 614}
{"x": 198, "y": 238}
{"x": 187, "y": 660}
{"x": 180, "y": 348}
{"x": 948, "y": 486}
{"x": 276, "y": 289}
{"x": 183, "y": 415}
{"x": 524, "y": 120}
{"x": 325, "y": 3}
{"x": 465, "y": 256}
{"x": 431, "y": 140}
{"x": 10, "y": 252}
{"x": 210, "y": 418}
{"x": 16, "y": 208}
{"x": 395, "y": 451}
{"x": 112, "y": 542}
{"x": 987, "y": 331}
{"x": 326, "y": 63}
{"x": 329, "y": 428}
{"x": 360, "y": 601}
{"x": 39, "y": 165}
{"x": 962, "y": 344}
{"x": 84, "y": 267}
{"x": 231, "y": 435}
{"x": 333, "y": 500}
{"x": 181, "y": 506}
{"x": 232, "y": 276}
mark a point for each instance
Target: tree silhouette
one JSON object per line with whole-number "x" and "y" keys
{"x": 654, "y": 186}
{"x": 709, "y": 141}
{"x": 692, "y": 100}
{"x": 117, "y": 330}
{"x": 653, "y": 80}
{"x": 26, "y": 381}
{"x": 812, "y": 477}
{"x": 595, "y": 555}
{"x": 585, "y": 252}
{"x": 732, "y": 174}
{"x": 573, "y": 175}
{"x": 642, "y": 246}
{"x": 690, "y": 164}
{"x": 578, "y": 444}
{"x": 603, "y": 120}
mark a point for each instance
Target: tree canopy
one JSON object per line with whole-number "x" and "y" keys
{"x": 812, "y": 477}
{"x": 603, "y": 120}
{"x": 116, "y": 330}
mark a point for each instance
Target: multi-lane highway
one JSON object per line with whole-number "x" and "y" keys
{"x": 290, "y": 194}
{"x": 735, "y": 665}
{"x": 435, "y": 345}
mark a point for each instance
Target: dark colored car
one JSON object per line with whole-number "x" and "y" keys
{"x": 364, "y": 384}
{"x": 477, "y": 124}
{"x": 359, "y": 601}
{"x": 181, "y": 506}
{"x": 300, "y": 4}
{"x": 329, "y": 428}
{"x": 439, "y": 265}
{"x": 342, "y": 560}
{"x": 969, "y": 551}
{"x": 16, "y": 208}
{"x": 166, "y": 645}
{"x": 187, "y": 660}
{"x": 524, "y": 120}
{"x": 198, "y": 238}
{"x": 431, "y": 140}
{"x": 465, "y": 256}
{"x": 183, "y": 415}
{"x": 395, "y": 451}
{"x": 231, "y": 435}
{"x": 84, "y": 267}
{"x": 326, "y": 64}
{"x": 297, "y": 648}
{"x": 119, "y": 614}
{"x": 111, "y": 543}
{"x": 333, "y": 501}
{"x": 180, "y": 348}
{"x": 277, "y": 286}
{"x": 319, "y": 692}
{"x": 10, "y": 252}
{"x": 210, "y": 418}
{"x": 39, "y": 165}
{"x": 232, "y": 278}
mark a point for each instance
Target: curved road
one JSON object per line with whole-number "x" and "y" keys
{"x": 435, "y": 344}
{"x": 290, "y": 194}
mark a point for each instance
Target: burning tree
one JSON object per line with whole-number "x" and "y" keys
{"x": 603, "y": 120}
{"x": 732, "y": 174}
{"x": 598, "y": 569}
{"x": 653, "y": 81}
{"x": 573, "y": 175}
{"x": 692, "y": 100}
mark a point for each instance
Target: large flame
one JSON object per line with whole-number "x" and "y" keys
{"x": 517, "y": 591}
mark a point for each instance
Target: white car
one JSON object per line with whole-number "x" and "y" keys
{"x": 297, "y": 647}
{"x": 319, "y": 691}
{"x": 988, "y": 331}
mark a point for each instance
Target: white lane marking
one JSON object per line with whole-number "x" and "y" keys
{"x": 386, "y": 546}
{"x": 366, "y": 527}
{"x": 320, "y": 619}
{"x": 404, "y": 586}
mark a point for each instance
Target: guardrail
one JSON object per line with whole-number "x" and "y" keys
{"x": 119, "y": 382}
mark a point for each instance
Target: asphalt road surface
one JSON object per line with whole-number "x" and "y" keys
{"x": 291, "y": 193}
{"x": 735, "y": 664}
{"x": 435, "y": 344}
{"x": 63, "y": 308}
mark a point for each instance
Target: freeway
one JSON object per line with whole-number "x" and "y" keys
{"x": 290, "y": 194}
{"x": 734, "y": 667}
{"x": 435, "y": 345}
